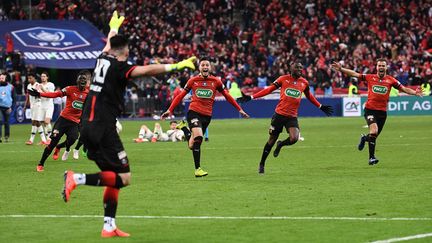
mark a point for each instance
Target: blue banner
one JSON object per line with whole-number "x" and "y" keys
{"x": 72, "y": 44}
{"x": 265, "y": 108}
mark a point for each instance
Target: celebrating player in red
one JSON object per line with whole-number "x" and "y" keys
{"x": 204, "y": 87}
{"x": 375, "y": 112}
{"x": 69, "y": 117}
{"x": 292, "y": 86}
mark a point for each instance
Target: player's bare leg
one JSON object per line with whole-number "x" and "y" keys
{"x": 266, "y": 151}
{"x": 195, "y": 145}
{"x": 112, "y": 182}
{"x": 292, "y": 139}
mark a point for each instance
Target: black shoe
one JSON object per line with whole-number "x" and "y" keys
{"x": 206, "y": 139}
{"x": 362, "y": 142}
{"x": 277, "y": 149}
{"x": 1, "y": 140}
{"x": 6, "y": 139}
{"x": 261, "y": 169}
{"x": 373, "y": 161}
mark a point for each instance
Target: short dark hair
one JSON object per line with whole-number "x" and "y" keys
{"x": 84, "y": 72}
{"x": 382, "y": 60}
{"x": 204, "y": 58}
{"x": 118, "y": 42}
{"x": 31, "y": 74}
{"x": 171, "y": 122}
{"x": 46, "y": 73}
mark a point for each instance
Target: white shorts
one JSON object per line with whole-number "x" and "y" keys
{"x": 47, "y": 112}
{"x": 163, "y": 137}
{"x": 36, "y": 114}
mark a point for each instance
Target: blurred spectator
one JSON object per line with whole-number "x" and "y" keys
{"x": 426, "y": 87}
{"x": 235, "y": 91}
{"x": 7, "y": 102}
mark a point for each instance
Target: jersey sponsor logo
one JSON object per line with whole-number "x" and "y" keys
{"x": 77, "y": 104}
{"x": 50, "y": 38}
{"x": 292, "y": 93}
{"x": 204, "y": 93}
{"x": 378, "y": 89}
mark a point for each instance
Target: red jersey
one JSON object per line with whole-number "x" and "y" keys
{"x": 74, "y": 102}
{"x": 203, "y": 93}
{"x": 290, "y": 94}
{"x": 379, "y": 90}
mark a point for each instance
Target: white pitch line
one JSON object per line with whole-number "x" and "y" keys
{"x": 220, "y": 217}
{"x": 412, "y": 237}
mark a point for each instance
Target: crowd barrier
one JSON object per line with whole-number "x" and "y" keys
{"x": 262, "y": 108}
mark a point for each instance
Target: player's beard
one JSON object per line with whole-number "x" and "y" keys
{"x": 205, "y": 74}
{"x": 381, "y": 74}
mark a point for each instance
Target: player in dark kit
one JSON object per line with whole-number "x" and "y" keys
{"x": 98, "y": 131}
{"x": 204, "y": 87}
{"x": 375, "y": 112}
{"x": 69, "y": 118}
{"x": 292, "y": 86}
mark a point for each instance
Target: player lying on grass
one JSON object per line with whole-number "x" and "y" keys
{"x": 173, "y": 134}
{"x": 292, "y": 86}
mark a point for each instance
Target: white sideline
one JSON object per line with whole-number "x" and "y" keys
{"x": 412, "y": 237}
{"x": 219, "y": 217}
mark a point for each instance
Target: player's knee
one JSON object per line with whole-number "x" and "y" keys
{"x": 125, "y": 179}
{"x": 197, "y": 142}
{"x": 294, "y": 138}
{"x": 272, "y": 139}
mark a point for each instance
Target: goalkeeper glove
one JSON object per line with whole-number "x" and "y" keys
{"x": 115, "y": 22}
{"x": 244, "y": 98}
{"x": 188, "y": 63}
{"x": 328, "y": 110}
{"x": 34, "y": 93}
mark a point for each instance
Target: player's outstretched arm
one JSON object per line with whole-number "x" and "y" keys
{"x": 115, "y": 23}
{"x": 233, "y": 102}
{"x": 327, "y": 109}
{"x": 338, "y": 67}
{"x": 417, "y": 92}
{"x": 174, "y": 104}
{"x": 154, "y": 69}
{"x": 52, "y": 94}
{"x": 262, "y": 93}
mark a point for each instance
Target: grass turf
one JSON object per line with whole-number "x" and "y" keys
{"x": 323, "y": 176}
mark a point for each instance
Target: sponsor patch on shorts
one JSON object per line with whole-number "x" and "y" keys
{"x": 121, "y": 155}
{"x": 195, "y": 121}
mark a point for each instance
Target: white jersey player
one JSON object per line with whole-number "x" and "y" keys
{"x": 173, "y": 134}
{"x": 36, "y": 112}
{"x": 47, "y": 104}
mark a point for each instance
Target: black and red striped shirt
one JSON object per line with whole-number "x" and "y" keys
{"x": 105, "y": 100}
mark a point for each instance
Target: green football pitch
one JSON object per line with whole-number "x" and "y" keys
{"x": 319, "y": 190}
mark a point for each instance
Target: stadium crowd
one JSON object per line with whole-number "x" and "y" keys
{"x": 252, "y": 42}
